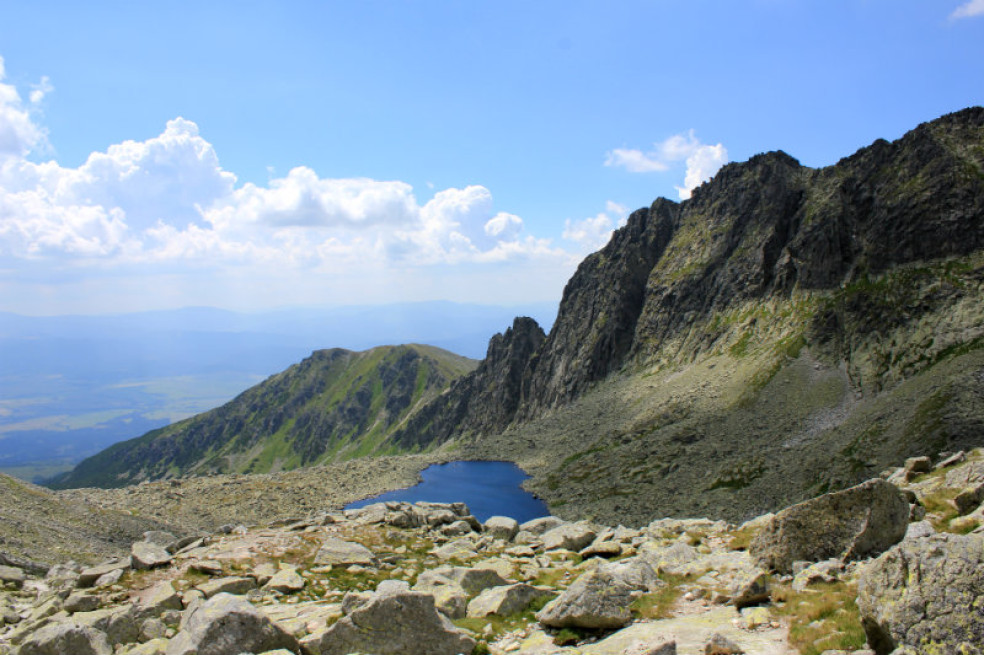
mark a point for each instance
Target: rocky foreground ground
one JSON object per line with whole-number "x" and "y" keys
{"x": 890, "y": 566}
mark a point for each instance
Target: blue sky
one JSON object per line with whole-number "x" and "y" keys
{"x": 251, "y": 155}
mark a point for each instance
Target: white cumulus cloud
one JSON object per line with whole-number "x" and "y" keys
{"x": 19, "y": 135}
{"x": 702, "y": 160}
{"x": 702, "y": 164}
{"x": 165, "y": 211}
{"x": 594, "y": 232}
{"x": 40, "y": 90}
{"x": 635, "y": 161}
{"x": 968, "y": 9}
{"x": 303, "y": 199}
{"x": 504, "y": 225}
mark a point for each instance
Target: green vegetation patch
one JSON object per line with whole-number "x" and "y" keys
{"x": 826, "y": 617}
{"x": 494, "y": 626}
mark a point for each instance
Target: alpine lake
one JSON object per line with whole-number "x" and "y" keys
{"x": 488, "y": 488}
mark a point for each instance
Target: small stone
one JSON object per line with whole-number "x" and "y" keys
{"x": 754, "y": 617}
{"x": 286, "y": 581}
{"x": 12, "y": 575}
{"x": 718, "y": 644}
{"x": 81, "y": 602}
{"x": 207, "y": 566}
{"x": 231, "y": 585}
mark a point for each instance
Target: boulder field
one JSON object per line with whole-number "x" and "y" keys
{"x": 888, "y": 567}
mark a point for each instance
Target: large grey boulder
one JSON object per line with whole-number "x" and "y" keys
{"x": 502, "y": 527}
{"x": 474, "y": 580}
{"x": 597, "y": 600}
{"x": 570, "y": 536}
{"x": 858, "y": 522}
{"x": 541, "y": 525}
{"x": 119, "y": 624}
{"x": 229, "y": 625}
{"x": 66, "y": 639}
{"x": 927, "y": 594}
{"x": 340, "y": 552}
{"x": 395, "y": 621}
{"x": 451, "y": 586}
{"x": 449, "y": 598}
{"x": 147, "y": 555}
{"x": 160, "y": 598}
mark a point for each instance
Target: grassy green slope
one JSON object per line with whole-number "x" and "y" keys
{"x": 336, "y": 404}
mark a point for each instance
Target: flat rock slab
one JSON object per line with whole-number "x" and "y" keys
{"x": 691, "y": 634}
{"x": 569, "y": 536}
{"x": 235, "y": 585}
{"x": 337, "y": 551}
{"x": 286, "y": 581}
{"x": 89, "y": 576}
{"x": 147, "y": 555}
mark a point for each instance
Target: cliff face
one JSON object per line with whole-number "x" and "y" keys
{"x": 596, "y": 323}
{"x": 763, "y": 229}
{"x": 486, "y": 399}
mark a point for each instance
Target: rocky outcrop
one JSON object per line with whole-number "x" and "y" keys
{"x": 858, "y": 522}
{"x": 599, "y": 311}
{"x": 926, "y": 594}
{"x": 485, "y": 400}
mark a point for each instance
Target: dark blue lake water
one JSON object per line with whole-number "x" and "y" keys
{"x": 488, "y": 488}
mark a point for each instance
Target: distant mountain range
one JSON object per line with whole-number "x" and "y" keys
{"x": 71, "y": 386}
{"x": 784, "y": 332}
{"x": 336, "y": 404}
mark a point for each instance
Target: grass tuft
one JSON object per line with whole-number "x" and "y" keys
{"x": 824, "y": 618}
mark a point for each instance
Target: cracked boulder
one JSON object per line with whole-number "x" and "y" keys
{"x": 855, "y": 523}
{"x": 927, "y": 595}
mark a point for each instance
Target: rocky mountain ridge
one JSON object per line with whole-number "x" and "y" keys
{"x": 785, "y": 332}
{"x": 765, "y": 230}
{"x": 334, "y": 405}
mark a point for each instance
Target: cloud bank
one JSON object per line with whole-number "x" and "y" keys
{"x": 702, "y": 160}
{"x": 968, "y": 10}
{"x": 163, "y": 214}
